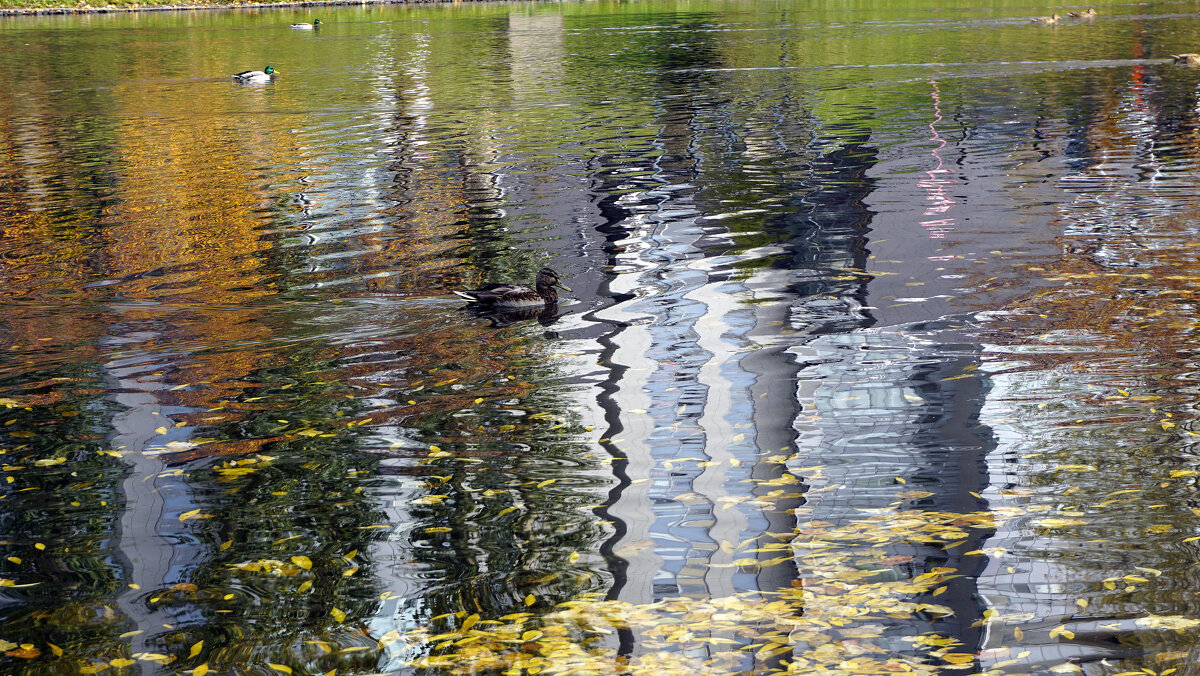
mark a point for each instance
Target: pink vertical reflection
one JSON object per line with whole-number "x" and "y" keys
{"x": 937, "y": 182}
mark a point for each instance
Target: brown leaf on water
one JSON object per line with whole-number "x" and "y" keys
{"x": 25, "y": 652}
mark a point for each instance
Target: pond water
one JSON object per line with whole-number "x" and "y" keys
{"x": 877, "y": 356}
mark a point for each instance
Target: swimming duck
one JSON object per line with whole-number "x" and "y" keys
{"x": 1053, "y": 18}
{"x": 307, "y": 26}
{"x": 1188, "y": 59}
{"x": 265, "y": 75}
{"x": 1091, "y": 12}
{"x": 518, "y": 295}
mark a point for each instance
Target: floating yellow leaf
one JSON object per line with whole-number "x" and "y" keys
{"x": 188, "y": 515}
{"x": 470, "y": 621}
{"x": 200, "y": 670}
{"x": 1167, "y": 622}
{"x": 58, "y": 652}
{"x": 388, "y": 639}
{"x": 302, "y": 561}
{"x": 280, "y": 667}
{"x": 1059, "y": 523}
{"x": 304, "y": 586}
{"x": 1061, "y": 630}
{"x": 338, "y": 615}
{"x": 530, "y": 600}
{"x": 196, "y": 648}
{"x": 122, "y": 662}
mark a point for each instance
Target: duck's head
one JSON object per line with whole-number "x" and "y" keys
{"x": 316, "y": 22}
{"x": 270, "y": 70}
{"x": 547, "y": 278}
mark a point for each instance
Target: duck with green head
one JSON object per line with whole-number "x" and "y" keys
{"x": 307, "y": 26}
{"x": 509, "y": 295}
{"x": 265, "y": 75}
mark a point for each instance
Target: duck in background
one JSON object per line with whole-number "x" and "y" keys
{"x": 307, "y": 26}
{"x": 248, "y": 76}
{"x": 1187, "y": 59}
{"x": 1091, "y": 12}
{"x": 1053, "y": 18}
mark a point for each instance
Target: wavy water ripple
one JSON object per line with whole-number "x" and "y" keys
{"x": 879, "y": 331}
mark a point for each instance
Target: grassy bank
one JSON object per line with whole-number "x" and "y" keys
{"x": 10, "y": 7}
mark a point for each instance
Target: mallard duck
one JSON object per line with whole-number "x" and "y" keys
{"x": 1189, "y": 59}
{"x": 1091, "y": 12}
{"x": 1053, "y": 18}
{"x": 265, "y": 75}
{"x": 307, "y": 26}
{"x": 518, "y": 295}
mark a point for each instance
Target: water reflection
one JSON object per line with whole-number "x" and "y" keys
{"x": 877, "y": 359}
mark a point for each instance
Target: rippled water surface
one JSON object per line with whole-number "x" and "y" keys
{"x": 877, "y": 356}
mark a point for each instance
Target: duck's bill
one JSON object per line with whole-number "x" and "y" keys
{"x": 564, "y": 287}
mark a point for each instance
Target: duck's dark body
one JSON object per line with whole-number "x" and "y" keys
{"x": 510, "y": 295}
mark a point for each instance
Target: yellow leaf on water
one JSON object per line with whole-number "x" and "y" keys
{"x": 39, "y": 546}
{"x": 1059, "y": 523}
{"x": 388, "y": 639}
{"x": 302, "y": 561}
{"x": 506, "y": 510}
{"x": 58, "y": 652}
{"x": 573, "y": 557}
{"x": 280, "y": 667}
{"x": 530, "y": 600}
{"x": 15, "y": 559}
{"x": 470, "y": 621}
{"x": 122, "y": 662}
{"x": 547, "y": 482}
{"x": 1175, "y": 622}
{"x": 196, "y": 648}
{"x": 338, "y": 615}
{"x": 304, "y": 586}
{"x": 1082, "y": 603}
{"x": 1061, "y": 630}
{"x": 188, "y": 515}
{"x": 200, "y": 670}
